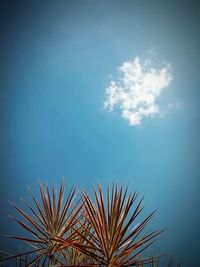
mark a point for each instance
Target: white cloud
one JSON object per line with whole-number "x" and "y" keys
{"x": 137, "y": 89}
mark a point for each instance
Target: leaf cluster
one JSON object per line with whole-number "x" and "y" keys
{"x": 76, "y": 229}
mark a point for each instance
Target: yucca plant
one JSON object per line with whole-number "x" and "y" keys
{"x": 114, "y": 239}
{"x": 117, "y": 236}
{"x": 53, "y": 217}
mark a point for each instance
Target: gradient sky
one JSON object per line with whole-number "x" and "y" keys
{"x": 57, "y": 59}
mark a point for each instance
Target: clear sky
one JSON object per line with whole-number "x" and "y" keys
{"x": 58, "y": 59}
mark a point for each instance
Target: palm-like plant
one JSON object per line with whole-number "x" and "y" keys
{"x": 54, "y": 217}
{"x": 116, "y": 234}
{"x": 114, "y": 238}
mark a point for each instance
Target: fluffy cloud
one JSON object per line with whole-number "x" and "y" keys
{"x": 136, "y": 90}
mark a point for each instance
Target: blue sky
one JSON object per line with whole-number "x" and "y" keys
{"x": 58, "y": 58}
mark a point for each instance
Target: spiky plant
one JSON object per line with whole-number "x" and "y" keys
{"x": 115, "y": 238}
{"x": 53, "y": 217}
